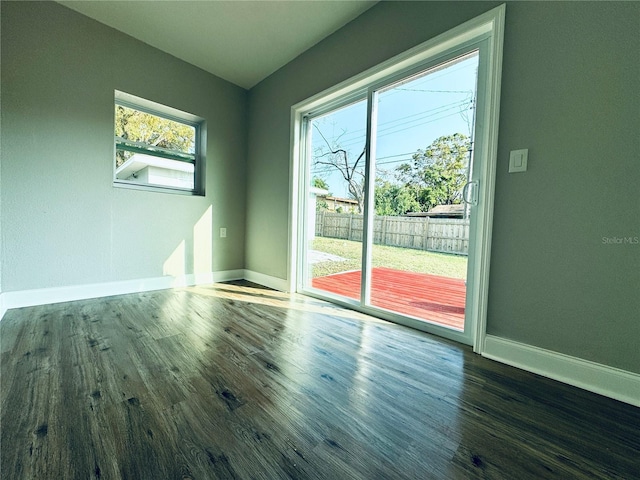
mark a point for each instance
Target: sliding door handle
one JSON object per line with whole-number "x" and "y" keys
{"x": 470, "y": 193}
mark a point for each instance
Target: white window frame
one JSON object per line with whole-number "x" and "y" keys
{"x": 488, "y": 27}
{"x": 168, "y": 113}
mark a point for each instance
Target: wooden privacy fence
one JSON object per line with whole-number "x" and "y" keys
{"x": 447, "y": 235}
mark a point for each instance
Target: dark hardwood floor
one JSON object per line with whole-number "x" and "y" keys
{"x": 231, "y": 381}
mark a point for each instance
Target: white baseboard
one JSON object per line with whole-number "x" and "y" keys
{"x": 225, "y": 276}
{"x": 43, "y": 296}
{"x": 267, "y": 280}
{"x": 594, "y": 377}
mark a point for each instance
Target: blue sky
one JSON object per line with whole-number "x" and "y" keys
{"x": 410, "y": 116}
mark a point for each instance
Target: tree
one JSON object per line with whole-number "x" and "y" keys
{"x": 333, "y": 155}
{"x": 320, "y": 183}
{"x": 394, "y": 199}
{"x": 321, "y": 205}
{"x": 435, "y": 176}
{"x": 137, "y": 126}
{"x": 439, "y": 172}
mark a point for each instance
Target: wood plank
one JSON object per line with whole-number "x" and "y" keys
{"x": 433, "y": 298}
{"x": 237, "y": 382}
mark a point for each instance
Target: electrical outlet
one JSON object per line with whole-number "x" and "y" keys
{"x": 223, "y": 232}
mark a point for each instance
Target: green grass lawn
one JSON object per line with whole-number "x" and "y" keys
{"x": 406, "y": 259}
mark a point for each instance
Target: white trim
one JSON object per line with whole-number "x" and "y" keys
{"x": 155, "y": 108}
{"x": 594, "y": 377}
{"x": 480, "y": 296}
{"x": 222, "y": 276}
{"x": 44, "y": 296}
{"x": 276, "y": 283}
{"x": 294, "y": 211}
{"x": 368, "y": 215}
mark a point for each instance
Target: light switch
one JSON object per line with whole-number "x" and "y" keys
{"x": 223, "y": 232}
{"x": 518, "y": 160}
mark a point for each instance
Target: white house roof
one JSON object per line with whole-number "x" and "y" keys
{"x": 139, "y": 161}
{"x": 318, "y": 191}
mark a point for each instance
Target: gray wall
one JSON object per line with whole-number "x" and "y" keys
{"x": 63, "y": 223}
{"x": 570, "y": 94}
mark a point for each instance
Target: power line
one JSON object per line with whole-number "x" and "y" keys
{"x": 361, "y": 131}
{"x": 431, "y": 113}
{"x": 328, "y": 169}
{"x": 417, "y": 125}
{"x": 397, "y": 155}
{"x": 331, "y": 169}
{"x": 428, "y": 77}
{"x": 391, "y": 130}
{"x": 434, "y": 91}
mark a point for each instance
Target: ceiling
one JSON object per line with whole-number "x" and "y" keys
{"x": 240, "y": 41}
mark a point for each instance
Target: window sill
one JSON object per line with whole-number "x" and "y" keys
{"x": 158, "y": 189}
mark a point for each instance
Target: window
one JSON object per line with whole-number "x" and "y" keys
{"x": 156, "y": 147}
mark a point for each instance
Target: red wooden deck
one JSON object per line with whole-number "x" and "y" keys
{"x": 428, "y": 297}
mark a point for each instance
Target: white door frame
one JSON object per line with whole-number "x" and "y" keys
{"x": 487, "y": 27}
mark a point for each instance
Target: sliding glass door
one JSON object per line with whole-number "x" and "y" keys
{"x": 422, "y": 147}
{"x": 335, "y": 200}
{"x": 392, "y": 201}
